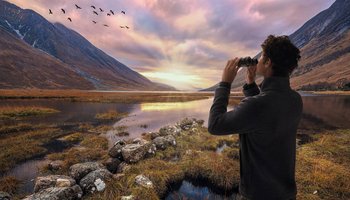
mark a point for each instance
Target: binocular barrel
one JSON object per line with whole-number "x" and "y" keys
{"x": 247, "y": 61}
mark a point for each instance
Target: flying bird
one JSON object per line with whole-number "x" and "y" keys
{"x": 112, "y": 12}
{"x": 123, "y": 12}
{"x": 77, "y": 6}
{"x": 122, "y": 27}
{"x": 50, "y": 11}
{"x": 95, "y": 12}
{"x": 64, "y": 12}
{"x": 108, "y": 14}
{"x": 93, "y": 7}
{"x": 101, "y": 10}
{"x": 69, "y": 19}
{"x": 105, "y": 25}
{"x": 127, "y": 27}
{"x": 94, "y": 22}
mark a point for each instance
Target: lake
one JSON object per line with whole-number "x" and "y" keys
{"x": 323, "y": 111}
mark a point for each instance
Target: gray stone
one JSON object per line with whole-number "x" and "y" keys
{"x": 55, "y": 165}
{"x": 78, "y": 171}
{"x": 57, "y": 193}
{"x": 43, "y": 182}
{"x": 169, "y": 130}
{"x": 139, "y": 141}
{"x": 112, "y": 164}
{"x": 130, "y": 197}
{"x": 4, "y": 196}
{"x": 163, "y": 142}
{"x": 132, "y": 153}
{"x": 144, "y": 181}
{"x": 116, "y": 150}
{"x": 95, "y": 181}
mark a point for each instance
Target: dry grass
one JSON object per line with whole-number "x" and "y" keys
{"x": 23, "y": 111}
{"x": 112, "y": 97}
{"x": 111, "y": 115}
{"x": 9, "y": 184}
{"x": 323, "y": 167}
{"x": 18, "y": 148}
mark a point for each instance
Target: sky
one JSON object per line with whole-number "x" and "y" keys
{"x": 182, "y": 43}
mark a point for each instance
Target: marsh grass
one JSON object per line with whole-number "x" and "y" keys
{"x": 27, "y": 145}
{"x": 111, "y": 115}
{"x": 106, "y": 97}
{"x": 323, "y": 167}
{"x": 9, "y": 112}
{"x": 9, "y": 184}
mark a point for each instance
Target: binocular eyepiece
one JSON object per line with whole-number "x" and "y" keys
{"x": 247, "y": 62}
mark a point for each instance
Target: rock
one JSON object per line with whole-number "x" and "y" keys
{"x": 143, "y": 181}
{"x": 153, "y": 134}
{"x": 55, "y": 165}
{"x": 95, "y": 181}
{"x": 116, "y": 150}
{"x": 4, "y": 196}
{"x": 139, "y": 141}
{"x": 151, "y": 151}
{"x": 57, "y": 193}
{"x": 112, "y": 164}
{"x": 130, "y": 197}
{"x": 169, "y": 130}
{"x": 78, "y": 171}
{"x": 132, "y": 153}
{"x": 43, "y": 182}
{"x": 163, "y": 142}
{"x": 186, "y": 124}
{"x": 123, "y": 167}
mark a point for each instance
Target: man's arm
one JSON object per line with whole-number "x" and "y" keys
{"x": 250, "y": 89}
{"x": 242, "y": 119}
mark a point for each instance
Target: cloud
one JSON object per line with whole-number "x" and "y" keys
{"x": 190, "y": 39}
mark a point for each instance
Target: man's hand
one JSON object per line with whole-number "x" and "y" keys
{"x": 230, "y": 70}
{"x": 251, "y": 73}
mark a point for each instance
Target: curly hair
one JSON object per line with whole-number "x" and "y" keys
{"x": 284, "y": 55}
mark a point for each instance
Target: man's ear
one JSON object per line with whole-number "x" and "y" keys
{"x": 268, "y": 63}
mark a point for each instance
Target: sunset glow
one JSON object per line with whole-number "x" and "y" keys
{"x": 182, "y": 43}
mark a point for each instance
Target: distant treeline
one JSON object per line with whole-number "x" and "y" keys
{"x": 319, "y": 86}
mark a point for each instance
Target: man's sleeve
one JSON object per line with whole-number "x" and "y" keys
{"x": 250, "y": 89}
{"x": 242, "y": 119}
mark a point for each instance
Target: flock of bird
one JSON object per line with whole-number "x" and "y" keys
{"x": 94, "y": 11}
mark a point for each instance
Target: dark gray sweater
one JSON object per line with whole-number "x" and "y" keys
{"x": 266, "y": 121}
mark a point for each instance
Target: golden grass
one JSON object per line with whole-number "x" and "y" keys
{"x": 332, "y": 92}
{"x": 9, "y": 184}
{"x": 18, "y": 148}
{"x": 323, "y": 167}
{"x": 73, "y": 138}
{"x": 109, "y": 97}
{"x": 15, "y": 128}
{"x": 111, "y": 115}
{"x": 93, "y": 148}
{"x": 13, "y": 112}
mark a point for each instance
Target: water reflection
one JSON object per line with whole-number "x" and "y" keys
{"x": 190, "y": 191}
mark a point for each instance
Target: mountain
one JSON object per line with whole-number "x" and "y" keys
{"x": 22, "y": 66}
{"x": 101, "y": 70}
{"x": 324, "y": 42}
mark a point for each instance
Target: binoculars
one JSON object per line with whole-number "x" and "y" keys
{"x": 247, "y": 61}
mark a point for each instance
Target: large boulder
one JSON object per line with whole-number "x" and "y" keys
{"x": 78, "y": 171}
{"x": 57, "y": 193}
{"x": 186, "y": 123}
{"x": 132, "y": 153}
{"x": 95, "y": 181}
{"x": 163, "y": 142}
{"x": 43, "y": 182}
{"x": 144, "y": 181}
{"x": 116, "y": 150}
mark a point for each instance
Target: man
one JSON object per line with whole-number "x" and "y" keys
{"x": 266, "y": 120}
